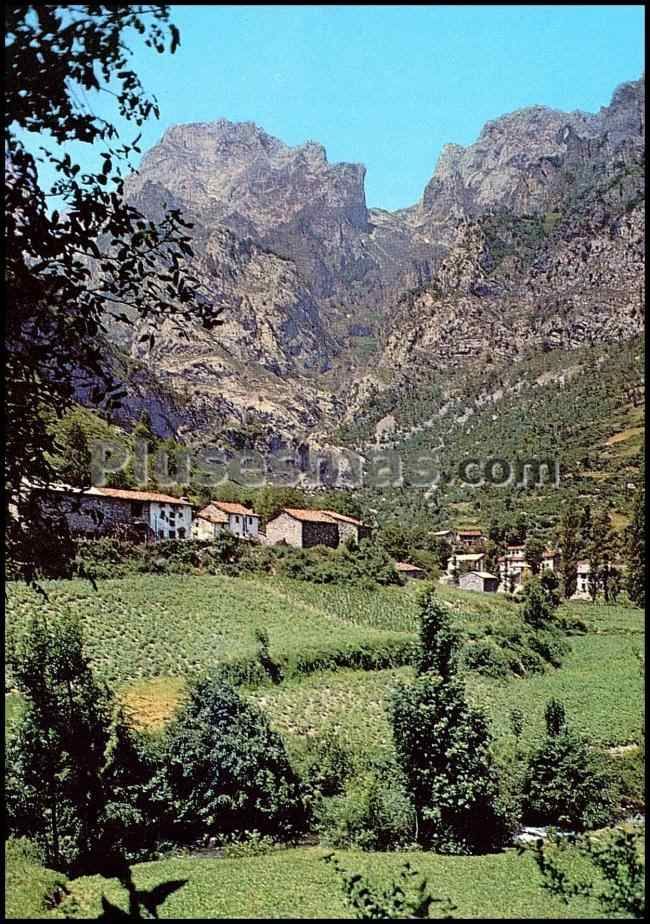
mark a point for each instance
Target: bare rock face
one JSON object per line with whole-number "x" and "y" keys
{"x": 530, "y": 238}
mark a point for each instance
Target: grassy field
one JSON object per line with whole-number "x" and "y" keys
{"x": 175, "y": 626}
{"x": 297, "y": 883}
{"x": 600, "y": 684}
{"x": 147, "y": 634}
{"x": 28, "y": 885}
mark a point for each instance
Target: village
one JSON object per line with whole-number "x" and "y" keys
{"x": 151, "y": 516}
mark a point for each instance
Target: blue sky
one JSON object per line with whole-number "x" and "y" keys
{"x": 387, "y": 85}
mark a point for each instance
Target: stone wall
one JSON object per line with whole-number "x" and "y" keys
{"x": 473, "y": 581}
{"x": 301, "y": 533}
{"x": 349, "y": 529}
{"x": 320, "y": 534}
{"x": 284, "y": 528}
{"x": 89, "y": 516}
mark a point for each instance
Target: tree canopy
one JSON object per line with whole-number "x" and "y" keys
{"x": 70, "y": 270}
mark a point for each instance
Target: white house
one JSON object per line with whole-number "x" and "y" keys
{"x": 582, "y": 583}
{"x": 219, "y": 515}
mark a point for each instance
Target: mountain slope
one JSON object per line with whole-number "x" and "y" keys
{"x": 528, "y": 242}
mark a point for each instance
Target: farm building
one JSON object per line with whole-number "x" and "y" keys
{"x": 462, "y": 563}
{"x": 220, "y": 515}
{"x": 303, "y": 528}
{"x": 514, "y": 569}
{"x": 408, "y": 570}
{"x": 95, "y": 511}
{"x": 482, "y": 581}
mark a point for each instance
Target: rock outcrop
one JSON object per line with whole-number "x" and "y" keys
{"x": 532, "y": 238}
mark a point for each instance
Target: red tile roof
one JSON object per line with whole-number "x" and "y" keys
{"x": 405, "y": 566}
{"x": 469, "y": 532}
{"x": 309, "y": 516}
{"x": 229, "y": 507}
{"x": 121, "y": 494}
{"x": 344, "y": 517}
{"x": 212, "y": 514}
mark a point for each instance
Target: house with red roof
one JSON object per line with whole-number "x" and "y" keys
{"x": 304, "y": 528}
{"x": 241, "y": 521}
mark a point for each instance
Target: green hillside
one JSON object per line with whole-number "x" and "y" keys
{"x": 583, "y": 409}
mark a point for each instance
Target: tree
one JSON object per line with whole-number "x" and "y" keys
{"x": 370, "y": 561}
{"x": 493, "y": 551}
{"x": 550, "y": 584}
{"x": 272, "y": 498}
{"x": 76, "y": 775}
{"x": 570, "y": 545}
{"x": 438, "y": 648}
{"x": 566, "y": 783}
{"x": 635, "y": 548}
{"x": 443, "y": 747}
{"x": 601, "y": 552}
{"x": 226, "y": 771}
{"x": 537, "y": 610}
{"x": 534, "y": 553}
{"x": 70, "y": 271}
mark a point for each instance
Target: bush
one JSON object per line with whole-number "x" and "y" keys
{"x": 486, "y": 658}
{"x": 537, "y": 610}
{"x": 248, "y": 844}
{"x": 566, "y": 783}
{"x": 226, "y": 771}
{"x": 326, "y": 764}
{"x": 550, "y": 645}
{"x": 628, "y": 775}
{"x": 373, "y": 813}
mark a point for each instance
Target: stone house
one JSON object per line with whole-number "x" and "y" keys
{"x": 410, "y": 571}
{"x": 93, "y": 512}
{"x": 303, "y": 528}
{"x": 514, "y": 569}
{"x": 207, "y": 523}
{"x": 481, "y": 581}
{"x": 218, "y": 515}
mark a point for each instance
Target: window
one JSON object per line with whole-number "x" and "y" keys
{"x": 181, "y": 532}
{"x": 172, "y": 533}
{"x": 137, "y": 508}
{"x": 236, "y": 519}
